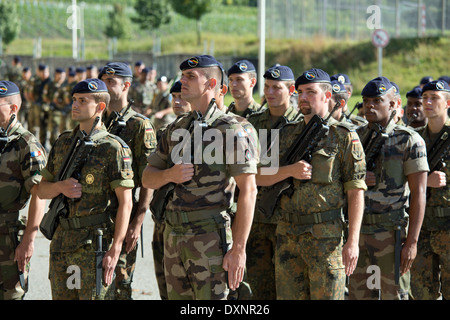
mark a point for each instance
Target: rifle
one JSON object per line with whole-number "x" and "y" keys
{"x": 99, "y": 254}
{"x": 4, "y": 133}
{"x": 71, "y": 167}
{"x": 14, "y": 237}
{"x": 373, "y": 142}
{"x": 118, "y": 122}
{"x": 162, "y": 195}
{"x": 439, "y": 150}
{"x": 301, "y": 149}
{"x": 397, "y": 253}
{"x": 411, "y": 120}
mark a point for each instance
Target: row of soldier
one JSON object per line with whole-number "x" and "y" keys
{"x": 47, "y": 98}
{"x": 296, "y": 252}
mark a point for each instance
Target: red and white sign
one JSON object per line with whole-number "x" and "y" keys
{"x": 380, "y": 38}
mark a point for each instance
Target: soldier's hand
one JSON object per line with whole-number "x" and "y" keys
{"x": 109, "y": 264}
{"x": 301, "y": 170}
{"x": 350, "y": 254}
{"x": 182, "y": 172}
{"x": 436, "y": 179}
{"x": 371, "y": 179}
{"x": 23, "y": 254}
{"x": 234, "y": 264}
{"x": 71, "y": 188}
{"x": 409, "y": 253}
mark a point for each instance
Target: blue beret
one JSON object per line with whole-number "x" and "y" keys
{"x": 25, "y": 69}
{"x": 341, "y": 77}
{"x": 337, "y": 87}
{"x": 241, "y": 66}
{"x": 90, "y": 86}
{"x": 59, "y": 70}
{"x": 279, "y": 73}
{"x": 138, "y": 64}
{"x": 8, "y": 88}
{"x": 176, "y": 87}
{"x": 204, "y": 61}
{"x": 445, "y": 78}
{"x": 116, "y": 68}
{"x": 416, "y": 92}
{"x": 426, "y": 79}
{"x": 42, "y": 66}
{"x": 438, "y": 85}
{"x": 72, "y": 73}
{"x": 90, "y": 67}
{"x": 377, "y": 87}
{"x": 396, "y": 88}
{"x": 311, "y": 76}
{"x": 80, "y": 69}
{"x": 145, "y": 70}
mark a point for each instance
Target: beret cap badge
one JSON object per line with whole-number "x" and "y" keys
{"x": 193, "y": 62}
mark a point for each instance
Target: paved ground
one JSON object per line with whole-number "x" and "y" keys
{"x": 144, "y": 282}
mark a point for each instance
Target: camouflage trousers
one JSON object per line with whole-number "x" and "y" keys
{"x": 72, "y": 276}
{"x": 261, "y": 246}
{"x": 307, "y": 268}
{"x": 124, "y": 273}
{"x": 193, "y": 257}
{"x": 374, "y": 276}
{"x": 430, "y": 272}
{"x": 158, "y": 258}
{"x": 10, "y": 288}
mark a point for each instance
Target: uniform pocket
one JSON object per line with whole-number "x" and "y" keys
{"x": 215, "y": 264}
{"x": 322, "y": 162}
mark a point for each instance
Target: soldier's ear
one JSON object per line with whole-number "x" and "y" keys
{"x": 14, "y": 108}
{"x": 101, "y": 106}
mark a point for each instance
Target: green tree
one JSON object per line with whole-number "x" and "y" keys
{"x": 119, "y": 25}
{"x": 10, "y": 22}
{"x": 195, "y": 9}
{"x": 151, "y": 14}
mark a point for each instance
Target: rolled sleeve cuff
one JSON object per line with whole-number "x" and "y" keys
{"x": 249, "y": 167}
{"x": 157, "y": 161}
{"x": 47, "y": 175}
{"x": 122, "y": 183}
{"x": 355, "y": 184}
{"x": 415, "y": 166}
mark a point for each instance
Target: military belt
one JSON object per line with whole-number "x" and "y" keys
{"x": 179, "y": 217}
{"x": 438, "y": 212}
{"x": 376, "y": 218}
{"x": 83, "y": 222}
{"x": 313, "y": 218}
{"x": 9, "y": 217}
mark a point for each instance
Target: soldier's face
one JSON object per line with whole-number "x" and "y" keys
{"x": 5, "y": 112}
{"x": 179, "y": 105}
{"x": 414, "y": 107}
{"x": 277, "y": 94}
{"x": 378, "y": 109}
{"x": 115, "y": 85}
{"x": 193, "y": 84}
{"x": 312, "y": 99}
{"x": 435, "y": 103}
{"x": 241, "y": 85}
{"x": 84, "y": 107}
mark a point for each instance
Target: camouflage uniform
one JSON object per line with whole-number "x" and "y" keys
{"x": 70, "y": 124}
{"x": 107, "y": 167}
{"x": 142, "y": 94}
{"x": 161, "y": 101}
{"x": 54, "y": 115}
{"x": 430, "y": 272}
{"x": 20, "y": 164}
{"x": 24, "y": 114}
{"x": 140, "y": 136}
{"x": 261, "y": 243}
{"x": 308, "y": 256}
{"x": 402, "y": 154}
{"x": 42, "y": 110}
{"x": 59, "y": 114}
{"x": 197, "y": 224}
{"x": 252, "y": 108}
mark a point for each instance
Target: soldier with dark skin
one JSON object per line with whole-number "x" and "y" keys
{"x": 140, "y": 136}
{"x": 22, "y": 158}
{"x": 430, "y": 273}
{"x": 100, "y": 198}
{"x": 414, "y": 108}
{"x": 196, "y": 217}
{"x": 394, "y": 202}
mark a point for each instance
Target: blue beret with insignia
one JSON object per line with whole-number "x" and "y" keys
{"x": 341, "y": 77}
{"x": 311, "y": 76}
{"x": 203, "y": 61}
{"x": 416, "y": 92}
{"x": 337, "y": 87}
{"x": 445, "y": 78}
{"x": 90, "y": 86}
{"x": 8, "y": 88}
{"x": 279, "y": 73}
{"x": 438, "y": 85}
{"x": 176, "y": 87}
{"x": 377, "y": 87}
{"x": 116, "y": 68}
{"x": 241, "y": 66}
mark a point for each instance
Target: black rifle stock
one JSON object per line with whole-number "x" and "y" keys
{"x": 162, "y": 195}
{"x": 397, "y": 254}
{"x": 99, "y": 254}
{"x": 14, "y": 232}
{"x": 301, "y": 149}
{"x": 118, "y": 122}
{"x": 71, "y": 167}
{"x": 374, "y": 141}
{"x": 439, "y": 150}
{"x": 4, "y": 133}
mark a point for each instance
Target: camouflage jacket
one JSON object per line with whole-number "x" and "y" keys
{"x": 212, "y": 185}
{"x": 252, "y": 108}
{"x": 403, "y": 153}
{"x": 437, "y": 197}
{"x": 142, "y": 94}
{"x": 108, "y": 166}
{"x": 21, "y": 163}
{"x": 139, "y": 134}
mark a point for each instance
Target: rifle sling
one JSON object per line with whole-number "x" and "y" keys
{"x": 84, "y": 221}
{"x": 438, "y": 212}
{"x": 313, "y": 218}
{"x": 377, "y": 218}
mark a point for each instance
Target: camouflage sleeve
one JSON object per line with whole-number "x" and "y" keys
{"x": 353, "y": 162}
{"x": 147, "y": 135}
{"x": 120, "y": 171}
{"x": 34, "y": 162}
{"x": 246, "y": 154}
{"x": 159, "y": 157}
{"x": 415, "y": 155}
